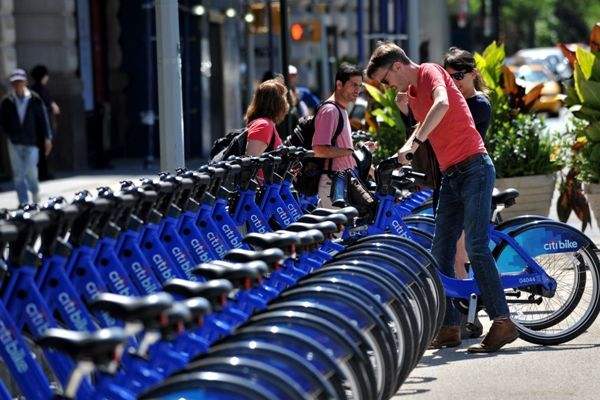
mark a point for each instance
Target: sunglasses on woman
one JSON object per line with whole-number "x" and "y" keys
{"x": 459, "y": 75}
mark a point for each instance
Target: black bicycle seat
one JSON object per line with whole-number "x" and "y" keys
{"x": 506, "y": 197}
{"x": 98, "y": 346}
{"x": 271, "y": 257}
{"x": 338, "y": 219}
{"x": 240, "y": 275}
{"x": 127, "y": 308}
{"x": 349, "y": 212}
{"x": 199, "y": 307}
{"x": 327, "y": 227}
{"x": 215, "y": 291}
{"x": 271, "y": 240}
{"x": 174, "y": 320}
{"x": 309, "y": 237}
{"x": 8, "y": 231}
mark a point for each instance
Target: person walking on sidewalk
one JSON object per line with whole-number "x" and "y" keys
{"x": 24, "y": 120}
{"x": 332, "y": 118}
{"x": 467, "y": 184}
{"x": 40, "y": 76}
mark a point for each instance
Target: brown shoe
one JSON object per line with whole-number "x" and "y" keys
{"x": 448, "y": 336}
{"x": 502, "y": 332}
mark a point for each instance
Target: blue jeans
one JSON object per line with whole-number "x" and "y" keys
{"x": 466, "y": 203}
{"x": 23, "y": 160}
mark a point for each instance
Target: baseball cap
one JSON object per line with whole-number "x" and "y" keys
{"x": 17, "y": 75}
{"x": 292, "y": 70}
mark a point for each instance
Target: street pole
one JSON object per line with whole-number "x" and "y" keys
{"x": 360, "y": 31}
{"x": 284, "y": 41}
{"x": 270, "y": 38}
{"x": 413, "y": 30}
{"x": 169, "y": 85}
{"x": 148, "y": 116}
{"x": 284, "y": 57}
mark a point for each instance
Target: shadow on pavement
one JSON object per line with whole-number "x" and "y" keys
{"x": 446, "y": 356}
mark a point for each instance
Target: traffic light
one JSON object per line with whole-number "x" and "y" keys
{"x": 297, "y": 31}
{"x": 306, "y": 31}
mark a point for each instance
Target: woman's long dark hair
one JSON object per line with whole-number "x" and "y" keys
{"x": 462, "y": 60}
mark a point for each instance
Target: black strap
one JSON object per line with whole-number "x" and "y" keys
{"x": 338, "y": 130}
{"x": 271, "y": 145}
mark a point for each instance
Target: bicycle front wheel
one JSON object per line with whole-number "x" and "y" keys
{"x": 569, "y": 258}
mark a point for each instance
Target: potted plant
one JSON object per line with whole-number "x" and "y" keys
{"x": 524, "y": 156}
{"x": 583, "y": 101}
{"x": 385, "y": 121}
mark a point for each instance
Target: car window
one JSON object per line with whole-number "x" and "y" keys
{"x": 529, "y": 75}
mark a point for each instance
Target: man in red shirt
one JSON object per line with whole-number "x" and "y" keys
{"x": 467, "y": 184}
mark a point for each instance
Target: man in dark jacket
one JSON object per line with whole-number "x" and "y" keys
{"x": 23, "y": 118}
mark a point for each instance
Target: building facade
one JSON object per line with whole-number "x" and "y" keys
{"x": 102, "y": 59}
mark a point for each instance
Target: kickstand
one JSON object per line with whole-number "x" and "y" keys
{"x": 472, "y": 311}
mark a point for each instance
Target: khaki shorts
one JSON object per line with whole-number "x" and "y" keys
{"x": 325, "y": 192}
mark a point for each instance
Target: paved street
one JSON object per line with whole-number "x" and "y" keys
{"x": 522, "y": 371}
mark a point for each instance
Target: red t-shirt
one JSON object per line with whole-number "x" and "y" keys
{"x": 455, "y": 138}
{"x": 263, "y": 129}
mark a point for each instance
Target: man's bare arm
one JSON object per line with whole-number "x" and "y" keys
{"x": 331, "y": 152}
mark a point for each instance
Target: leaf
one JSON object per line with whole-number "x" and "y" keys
{"x": 587, "y": 90}
{"x": 382, "y": 116}
{"x": 589, "y": 64}
{"x": 584, "y": 112}
{"x": 374, "y": 93}
{"x": 570, "y": 55}
{"x": 572, "y": 96}
{"x": 593, "y": 132}
{"x": 531, "y": 97}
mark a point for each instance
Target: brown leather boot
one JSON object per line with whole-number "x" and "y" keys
{"x": 448, "y": 336}
{"x": 502, "y": 332}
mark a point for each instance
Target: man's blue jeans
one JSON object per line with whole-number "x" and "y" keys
{"x": 466, "y": 203}
{"x": 23, "y": 160}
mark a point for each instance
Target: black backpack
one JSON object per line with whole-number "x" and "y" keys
{"x": 307, "y": 180}
{"x": 233, "y": 144}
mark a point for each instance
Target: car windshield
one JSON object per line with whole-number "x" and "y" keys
{"x": 533, "y": 75}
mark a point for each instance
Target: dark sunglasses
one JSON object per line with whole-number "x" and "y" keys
{"x": 459, "y": 75}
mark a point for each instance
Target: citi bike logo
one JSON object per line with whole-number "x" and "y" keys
{"x": 15, "y": 352}
{"x": 258, "y": 225}
{"x": 561, "y": 245}
{"x": 38, "y": 320}
{"x": 399, "y": 229}
{"x": 283, "y": 215}
{"x": 183, "y": 262}
{"x": 293, "y": 212}
{"x": 74, "y": 313}
{"x": 199, "y": 250}
{"x": 215, "y": 242}
{"x": 230, "y": 235}
{"x": 143, "y": 278}
{"x": 119, "y": 283}
{"x": 162, "y": 266}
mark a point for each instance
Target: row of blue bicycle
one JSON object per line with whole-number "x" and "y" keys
{"x": 206, "y": 285}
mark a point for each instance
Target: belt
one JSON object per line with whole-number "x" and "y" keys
{"x": 454, "y": 167}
